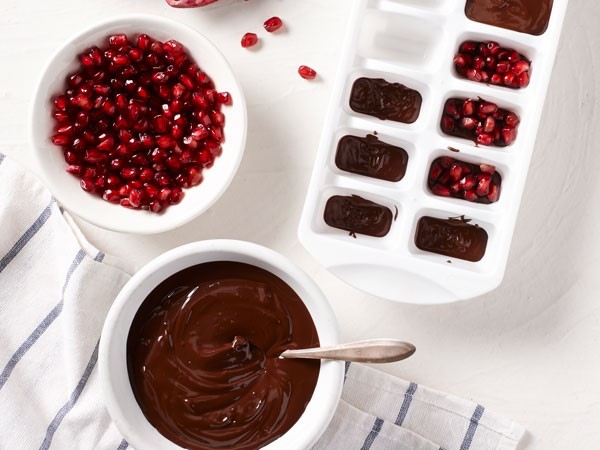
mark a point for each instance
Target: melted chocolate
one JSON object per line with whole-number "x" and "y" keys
{"x": 378, "y": 98}
{"x": 358, "y": 215}
{"x": 525, "y": 16}
{"x": 203, "y": 357}
{"x": 371, "y": 157}
{"x": 451, "y": 237}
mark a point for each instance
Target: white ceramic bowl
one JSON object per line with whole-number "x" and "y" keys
{"x": 118, "y": 394}
{"x": 93, "y": 209}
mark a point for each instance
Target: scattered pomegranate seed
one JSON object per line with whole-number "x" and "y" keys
{"x": 129, "y": 127}
{"x": 307, "y": 73}
{"x": 484, "y": 62}
{"x": 249, "y": 40}
{"x": 449, "y": 177}
{"x": 480, "y": 121}
{"x": 273, "y": 24}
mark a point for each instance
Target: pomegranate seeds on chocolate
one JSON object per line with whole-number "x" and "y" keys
{"x": 487, "y": 62}
{"x": 139, "y": 121}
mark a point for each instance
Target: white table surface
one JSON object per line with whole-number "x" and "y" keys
{"x": 528, "y": 350}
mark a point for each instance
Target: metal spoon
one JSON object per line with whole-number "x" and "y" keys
{"x": 371, "y": 351}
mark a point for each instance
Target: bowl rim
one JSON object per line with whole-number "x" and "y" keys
{"x": 117, "y": 393}
{"x": 154, "y": 225}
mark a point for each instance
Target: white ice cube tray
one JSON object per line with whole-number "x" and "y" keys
{"x": 413, "y": 42}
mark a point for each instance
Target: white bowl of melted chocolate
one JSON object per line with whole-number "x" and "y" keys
{"x": 189, "y": 356}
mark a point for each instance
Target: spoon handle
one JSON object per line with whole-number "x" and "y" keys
{"x": 371, "y": 351}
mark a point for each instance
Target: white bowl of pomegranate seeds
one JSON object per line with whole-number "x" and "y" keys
{"x": 139, "y": 124}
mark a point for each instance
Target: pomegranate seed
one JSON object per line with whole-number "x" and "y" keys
{"x": 87, "y": 184}
{"x": 60, "y": 140}
{"x": 249, "y": 40}
{"x": 468, "y": 107}
{"x": 224, "y": 98}
{"x": 307, "y": 73}
{"x": 509, "y": 135}
{"x": 494, "y": 193}
{"x": 117, "y": 40}
{"x": 487, "y": 168}
{"x": 493, "y": 47}
{"x": 455, "y": 172}
{"x": 509, "y": 79}
{"x": 74, "y": 169}
{"x": 468, "y": 122}
{"x": 483, "y": 185}
{"x": 176, "y": 196}
{"x": 523, "y": 80}
{"x": 520, "y": 67}
{"x": 496, "y": 79}
{"x": 173, "y": 47}
{"x": 489, "y": 124}
{"x": 129, "y": 173}
{"x": 435, "y": 171}
{"x": 135, "y": 198}
{"x": 474, "y": 75}
{"x": 156, "y": 207}
{"x": 160, "y": 77}
{"x": 468, "y": 182}
{"x": 144, "y": 41}
{"x": 440, "y": 190}
{"x": 178, "y": 90}
{"x": 512, "y": 120}
{"x": 468, "y": 47}
{"x": 461, "y": 61}
{"x": 471, "y": 196}
{"x": 161, "y": 124}
{"x": 485, "y": 139}
{"x": 273, "y": 24}
{"x": 447, "y": 124}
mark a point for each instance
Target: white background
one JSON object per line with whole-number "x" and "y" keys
{"x": 528, "y": 350}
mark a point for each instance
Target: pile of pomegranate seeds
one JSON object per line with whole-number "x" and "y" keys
{"x": 273, "y": 24}
{"x": 249, "y": 40}
{"x": 449, "y": 177}
{"x": 139, "y": 121}
{"x": 487, "y": 62}
{"x": 480, "y": 121}
{"x": 307, "y": 73}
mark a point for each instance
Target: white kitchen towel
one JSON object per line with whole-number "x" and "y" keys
{"x": 55, "y": 291}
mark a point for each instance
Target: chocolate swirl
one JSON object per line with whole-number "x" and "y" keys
{"x": 203, "y": 357}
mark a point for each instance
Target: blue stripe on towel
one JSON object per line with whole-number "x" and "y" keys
{"x": 408, "y": 396}
{"x": 1, "y": 158}
{"x": 99, "y": 257}
{"x": 123, "y": 445}
{"x": 373, "y": 434}
{"x": 26, "y": 237}
{"x": 43, "y": 325}
{"x": 466, "y": 443}
{"x": 62, "y": 412}
{"x": 346, "y": 368}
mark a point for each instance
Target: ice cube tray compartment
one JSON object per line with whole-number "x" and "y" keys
{"x": 413, "y": 42}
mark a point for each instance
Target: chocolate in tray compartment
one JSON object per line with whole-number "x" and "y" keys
{"x": 379, "y": 98}
{"x": 525, "y": 16}
{"x": 358, "y": 215}
{"x": 371, "y": 157}
{"x": 479, "y": 121}
{"x": 479, "y": 183}
{"x": 453, "y": 237}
